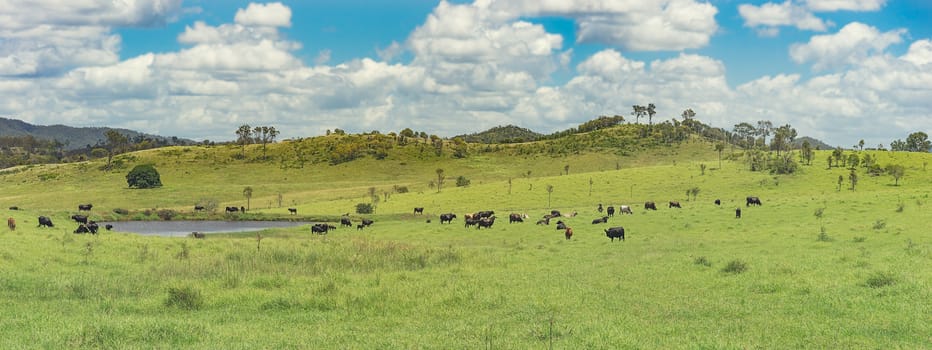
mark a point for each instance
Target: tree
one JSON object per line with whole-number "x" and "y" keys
{"x": 143, "y": 176}
{"x": 918, "y": 142}
{"x": 839, "y": 155}
{"x": 764, "y": 128}
{"x": 440, "y": 177}
{"x": 783, "y": 138}
{"x": 549, "y": 192}
{"x": 745, "y": 133}
{"x": 807, "y": 153}
{"x": 898, "y": 145}
{"x": 115, "y": 144}
{"x": 720, "y": 147}
{"x": 853, "y": 178}
{"x": 692, "y": 192}
{"x": 639, "y": 111}
{"x": 244, "y": 137}
{"x": 861, "y": 144}
{"x": 841, "y": 180}
{"x": 702, "y": 168}
{"x": 462, "y": 181}
{"x": 247, "y": 192}
{"x": 651, "y": 111}
{"x": 853, "y": 161}
{"x": 566, "y": 169}
{"x": 897, "y": 171}
{"x": 688, "y": 114}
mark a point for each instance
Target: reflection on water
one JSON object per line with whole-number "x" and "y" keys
{"x": 184, "y": 228}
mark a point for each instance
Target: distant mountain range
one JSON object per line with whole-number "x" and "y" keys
{"x": 814, "y": 143}
{"x": 75, "y": 138}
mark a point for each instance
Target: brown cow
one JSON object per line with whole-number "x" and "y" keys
{"x": 568, "y": 233}
{"x": 11, "y": 223}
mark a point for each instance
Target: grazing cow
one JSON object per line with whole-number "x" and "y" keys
{"x": 602, "y": 220}
{"x": 82, "y": 228}
{"x": 753, "y": 200}
{"x": 561, "y": 225}
{"x": 44, "y": 221}
{"x": 573, "y": 215}
{"x": 485, "y": 222}
{"x": 198, "y": 235}
{"x": 293, "y": 211}
{"x": 568, "y": 233}
{"x": 320, "y": 229}
{"x": 448, "y": 218}
{"x": 11, "y": 223}
{"x": 599, "y": 208}
{"x": 345, "y": 222}
{"x": 610, "y": 211}
{"x": 359, "y": 227}
{"x": 198, "y": 207}
{"x": 87, "y": 228}
{"x": 615, "y": 232}
{"x": 242, "y": 209}
{"x": 738, "y": 213}
{"x": 545, "y": 221}
{"x": 675, "y": 204}
{"x": 650, "y": 206}
{"x": 514, "y": 217}
{"x": 79, "y": 218}
{"x": 108, "y": 227}
{"x": 484, "y": 214}
{"x": 471, "y": 222}
{"x": 232, "y": 209}
{"x": 718, "y": 202}
{"x": 419, "y": 210}
{"x": 14, "y": 208}
{"x": 624, "y": 209}
{"x": 85, "y": 207}
{"x": 367, "y": 222}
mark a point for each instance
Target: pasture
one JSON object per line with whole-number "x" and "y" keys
{"x": 857, "y": 276}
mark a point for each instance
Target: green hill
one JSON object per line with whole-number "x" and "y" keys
{"x": 821, "y": 264}
{"x": 503, "y": 134}
{"x": 75, "y": 138}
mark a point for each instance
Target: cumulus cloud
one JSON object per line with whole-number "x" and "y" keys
{"x": 768, "y": 17}
{"x": 849, "y": 5}
{"x": 265, "y": 15}
{"x": 852, "y": 44}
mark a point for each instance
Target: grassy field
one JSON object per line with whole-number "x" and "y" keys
{"x": 780, "y": 277}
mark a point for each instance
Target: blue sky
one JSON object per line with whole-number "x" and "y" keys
{"x": 199, "y": 69}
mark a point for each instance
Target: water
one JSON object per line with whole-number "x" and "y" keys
{"x": 184, "y": 228}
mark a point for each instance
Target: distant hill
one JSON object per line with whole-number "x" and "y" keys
{"x": 73, "y": 137}
{"x": 815, "y": 143}
{"x": 503, "y": 134}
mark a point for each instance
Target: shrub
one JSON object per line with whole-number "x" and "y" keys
{"x": 121, "y": 211}
{"x": 880, "y": 224}
{"x": 166, "y": 214}
{"x": 143, "y": 176}
{"x": 823, "y": 236}
{"x": 401, "y": 189}
{"x": 735, "y": 267}
{"x": 702, "y": 261}
{"x": 859, "y": 239}
{"x": 364, "y": 208}
{"x": 462, "y": 181}
{"x": 880, "y": 279}
{"x": 185, "y": 298}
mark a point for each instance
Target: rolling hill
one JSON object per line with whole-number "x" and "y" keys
{"x": 75, "y": 137}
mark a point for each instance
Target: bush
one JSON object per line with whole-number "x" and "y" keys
{"x": 121, "y": 211}
{"x": 166, "y": 214}
{"x": 735, "y": 267}
{"x": 880, "y": 279}
{"x": 702, "y": 261}
{"x": 880, "y": 224}
{"x": 143, "y": 176}
{"x": 401, "y": 189}
{"x": 462, "y": 181}
{"x": 364, "y": 208}
{"x": 185, "y": 298}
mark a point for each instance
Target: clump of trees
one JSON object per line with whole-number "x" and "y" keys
{"x": 143, "y": 176}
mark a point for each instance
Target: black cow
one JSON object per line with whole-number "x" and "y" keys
{"x": 738, "y": 213}
{"x": 675, "y": 204}
{"x": 345, "y": 222}
{"x": 599, "y": 208}
{"x": 198, "y": 207}
{"x": 367, "y": 222}
{"x": 79, "y": 218}
{"x": 485, "y": 214}
{"x": 242, "y": 209}
{"x": 321, "y": 229}
{"x": 544, "y": 221}
{"x": 555, "y": 213}
{"x": 561, "y": 225}
{"x": 602, "y": 220}
{"x": 448, "y": 218}
{"x": 515, "y": 218}
{"x": 610, "y": 211}
{"x": 232, "y": 209}
{"x": 615, "y": 232}
{"x": 198, "y": 235}
{"x": 108, "y": 227}
{"x": 14, "y": 208}
{"x": 44, "y": 221}
{"x": 419, "y": 210}
{"x": 486, "y": 222}
{"x": 718, "y": 202}
{"x": 85, "y": 207}
{"x": 650, "y": 206}
{"x": 293, "y": 211}
{"x": 87, "y": 228}
{"x": 360, "y": 227}
{"x": 471, "y": 222}
{"x": 753, "y": 200}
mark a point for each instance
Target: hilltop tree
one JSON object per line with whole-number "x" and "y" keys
{"x": 853, "y": 161}
{"x": 143, "y": 176}
{"x": 115, "y": 145}
{"x": 265, "y": 135}
{"x": 897, "y": 171}
{"x": 244, "y": 137}
{"x": 745, "y": 133}
{"x": 839, "y": 155}
{"x": 764, "y": 129}
{"x": 247, "y": 192}
{"x": 783, "y": 138}
{"x": 651, "y": 111}
{"x": 918, "y": 142}
{"x": 440, "y": 177}
{"x": 898, "y": 145}
{"x": 807, "y": 153}
{"x": 720, "y": 147}
{"x": 639, "y": 111}
{"x": 861, "y": 144}
{"x": 853, "y": 178}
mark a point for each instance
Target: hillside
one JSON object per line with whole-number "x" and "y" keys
{"x": 502, "y": 134}
{"x": 816, "y": 144}
{"x": 75, "y": 137}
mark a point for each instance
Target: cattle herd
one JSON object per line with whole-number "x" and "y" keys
{"x": 480, "y": 220}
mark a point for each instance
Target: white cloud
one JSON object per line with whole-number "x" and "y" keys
{"x": 767, "y": 17}
{"x": 268, "y": 15}
{"x": 323, "y": 57}
{"x": 852, "y": 44}
{"x": 848, "y": 5}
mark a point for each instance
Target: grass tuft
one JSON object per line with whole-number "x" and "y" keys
{"x": 735, "y": 267}
{"x": 702, "y": 261}
{"x": 880, "y": 279}
{"x": 185, "y": 298}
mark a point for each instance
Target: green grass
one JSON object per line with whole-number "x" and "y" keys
{"x": 684, "y": 278}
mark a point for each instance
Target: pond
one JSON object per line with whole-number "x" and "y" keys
{"x": 184, "y": 228}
